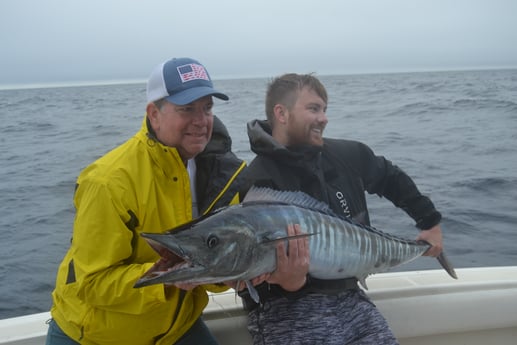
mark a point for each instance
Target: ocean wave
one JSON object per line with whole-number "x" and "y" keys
{"x": 485, "y": 103}
{"x": 419, "y": 108}
{"x": 487, "y": 184}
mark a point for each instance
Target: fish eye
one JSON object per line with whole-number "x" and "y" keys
{"x": 212, "y": 241}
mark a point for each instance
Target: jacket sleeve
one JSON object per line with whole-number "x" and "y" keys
{"x": 387, "y": 180}
{"x": 102, "y": 248}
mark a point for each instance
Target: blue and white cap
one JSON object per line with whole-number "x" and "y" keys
{"x": 181, "y": 81}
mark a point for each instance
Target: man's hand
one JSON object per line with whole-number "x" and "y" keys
{"x": 292, "y": 264}
{"x": 432, "y": 236}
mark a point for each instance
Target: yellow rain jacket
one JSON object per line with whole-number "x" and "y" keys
{"x": 140, "y": 186}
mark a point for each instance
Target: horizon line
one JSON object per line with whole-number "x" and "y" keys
{"x": 106, "y": 82}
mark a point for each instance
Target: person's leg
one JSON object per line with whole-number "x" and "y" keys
{"x": 198, "y": 334}
{"x": 294, "y": 322}
{"x": 55, "y": 336}
{"x": 347, "y": 318}
{"x": 368, "y": 325}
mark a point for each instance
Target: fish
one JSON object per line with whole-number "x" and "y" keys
{"x": 238, "y": 243}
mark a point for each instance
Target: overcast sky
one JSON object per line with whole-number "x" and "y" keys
{"x": 65, "y": 41}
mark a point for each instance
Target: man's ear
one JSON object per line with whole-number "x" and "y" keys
{"x": 281, "y": 113}
{"x": 152, "y": 112}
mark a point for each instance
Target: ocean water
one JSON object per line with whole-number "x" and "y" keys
{"x": 455, "y": 133}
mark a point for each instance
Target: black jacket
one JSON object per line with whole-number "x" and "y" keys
{"x": 216, "y": 166}
{"x": 338, "y": 173}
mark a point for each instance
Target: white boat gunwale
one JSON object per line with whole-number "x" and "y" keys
{"x": 422, "y": 307}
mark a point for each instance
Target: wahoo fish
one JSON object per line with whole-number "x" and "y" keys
{"x": 238, "y": 243}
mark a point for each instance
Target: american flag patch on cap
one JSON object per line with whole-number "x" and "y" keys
{"x": 192, "y": 71}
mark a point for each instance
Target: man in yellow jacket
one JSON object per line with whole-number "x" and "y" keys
{"x": 178, "y": 166}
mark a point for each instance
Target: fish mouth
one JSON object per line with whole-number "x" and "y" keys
{"x": 173, "y": 266}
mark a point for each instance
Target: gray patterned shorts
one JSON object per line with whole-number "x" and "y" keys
{"x": 346, "y": 318}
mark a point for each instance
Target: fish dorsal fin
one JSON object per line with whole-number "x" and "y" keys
{"x": 267, "y": 195}
{"x": 297, "y": 198}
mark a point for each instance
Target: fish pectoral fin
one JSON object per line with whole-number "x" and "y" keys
{"x": 252, "y": 291}
{"x": 266, "y": 239}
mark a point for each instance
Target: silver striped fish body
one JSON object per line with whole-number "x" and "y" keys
{"x": 339, "y": 248}
{"x": 239, "y": 243}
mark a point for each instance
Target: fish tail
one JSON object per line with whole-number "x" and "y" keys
{"x": 446, "y": 264}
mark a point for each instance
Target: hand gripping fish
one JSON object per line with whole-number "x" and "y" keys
{"x": 238, "y": 243}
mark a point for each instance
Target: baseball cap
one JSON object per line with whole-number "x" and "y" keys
{"x": 180, "y": 81}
